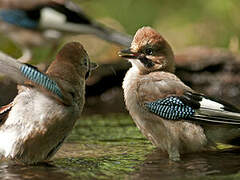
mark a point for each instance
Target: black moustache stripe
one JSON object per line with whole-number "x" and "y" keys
{"x": 87, "y": 74}
{"x": 146, "y": 62}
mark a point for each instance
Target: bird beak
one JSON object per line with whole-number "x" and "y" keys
{"x": 127, "y": 53}
{"x": 93, "y": 66}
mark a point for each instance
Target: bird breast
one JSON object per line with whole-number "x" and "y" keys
{"x": 130, "y": 85}
{"x": 159, "y": 131}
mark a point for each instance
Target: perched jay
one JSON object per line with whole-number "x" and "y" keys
{"x": 170, "y": 114}
{"x": 35, "y": 124}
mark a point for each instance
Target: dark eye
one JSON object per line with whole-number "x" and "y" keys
{"x": 149, "y": 51}
{"x": 85, "y": 62}
{"x": 72, "y": 94}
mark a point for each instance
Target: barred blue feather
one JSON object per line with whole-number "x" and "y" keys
{"x": 18, "y": 17}
{"x": 170, "y": 108}
{"x": 41, "y": 79}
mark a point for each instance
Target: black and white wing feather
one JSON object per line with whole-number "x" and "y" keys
{"x": 22, "y": 73}
{"x": 61, "y": 17}
{"x": 195, "y": 107}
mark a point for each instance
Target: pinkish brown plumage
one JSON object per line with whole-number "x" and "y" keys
{"x": 35, "y": 124}
{"x": 166, "y": 110}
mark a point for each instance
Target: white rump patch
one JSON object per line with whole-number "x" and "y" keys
{"x": 207, "y": 103}
{"x": 49, "y": 16}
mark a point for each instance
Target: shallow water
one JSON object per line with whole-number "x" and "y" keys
{"x": 111, "y": 147}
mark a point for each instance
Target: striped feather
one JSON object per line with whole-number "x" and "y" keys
{"x": 170, "y": 108}
{"x": 195, "y": 107}
{"x": 40, "y": 79}
{"x": 21, "y": 73}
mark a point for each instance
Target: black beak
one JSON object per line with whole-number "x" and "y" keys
{"x": 87, "y": 75}
{"x": 128, "y": 54}
{"x": 92, "y": 66}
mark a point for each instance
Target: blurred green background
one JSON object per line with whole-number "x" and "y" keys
{"x": 182, "y": 22}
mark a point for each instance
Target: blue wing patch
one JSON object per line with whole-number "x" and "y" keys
{"x": 170, "y": 108}
{"x": 18, "y": 17}
{"x": 41, "y": 79}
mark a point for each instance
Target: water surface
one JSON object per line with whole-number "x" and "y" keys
{"x": 111, "y": 147}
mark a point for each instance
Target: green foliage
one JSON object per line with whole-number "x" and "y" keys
{"x": 184, "y": 23}
{"x": 9, "y": 47}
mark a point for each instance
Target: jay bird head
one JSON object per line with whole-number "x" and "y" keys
{"x": 149, "y": 52}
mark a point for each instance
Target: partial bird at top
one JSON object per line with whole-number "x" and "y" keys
{"x": 170, "y": 114}
{"x": 52, "y": 17}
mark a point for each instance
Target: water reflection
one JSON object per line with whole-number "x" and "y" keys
{"x": 99, "y": 147}
{"x": 156, "y": 166}
{"x": 12, "y": 171}
{"x": 111, "y": 147}
{"x": 195, "y": 165}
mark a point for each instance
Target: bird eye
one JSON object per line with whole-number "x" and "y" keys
{"x": 72, "y": 94}
{"x": 149, "y": 51}
{"x": 85, "y": 62}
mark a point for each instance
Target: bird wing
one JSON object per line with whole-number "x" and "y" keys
{"x": 172, "y": 100}
{"x": 18, "y": 17}
{"x": 4, "y": 112}
{"x": 72, "y": 11}
{"x": 64, "y": 16}
{"x": 211, "y": 109}
{"x": 26, "y": 74}
{"x": 31, "y": 17}
{"x": 76, "y": 21}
